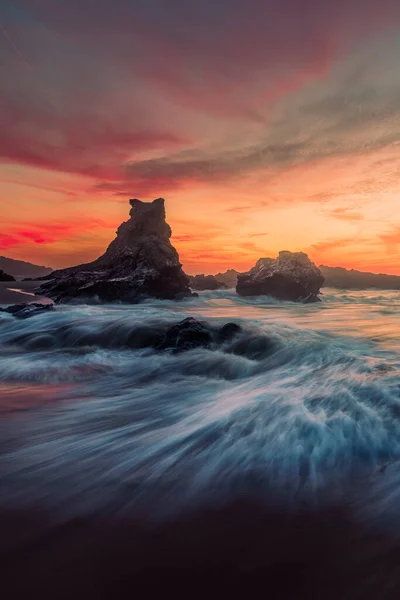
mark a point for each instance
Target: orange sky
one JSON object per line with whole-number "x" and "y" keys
{"x": 257, "y": 146}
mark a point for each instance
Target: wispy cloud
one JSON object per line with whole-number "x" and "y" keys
{"x": 345, "y": 214}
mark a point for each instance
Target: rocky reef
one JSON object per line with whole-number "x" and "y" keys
{"x": 206, "y": 282}
{"x": 229, "y": 278}
{"x": 5, "y": 276}
{"x": 140, "y": 262}
{"x": 290, "y": 276}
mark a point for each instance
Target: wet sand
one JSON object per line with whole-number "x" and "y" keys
{"x": 238, "y": 547}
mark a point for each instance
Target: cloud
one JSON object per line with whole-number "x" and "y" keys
{"x": 391, "y": 239}
{"x": 108, "y": 80}
{"x": 345, "y": 214}
{"x": 47, "y": 233}
{"x": 328, "y": 245}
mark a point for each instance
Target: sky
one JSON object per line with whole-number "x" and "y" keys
{"x": 265, "y": 124}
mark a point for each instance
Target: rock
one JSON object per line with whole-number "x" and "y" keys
{"x": 23, "y": 311}
{"x": 229, "y": 278}
{"x": 5, "y": 276}
{"x": 139, "y": 263}
{"x": 186, "y": 335}
{"x": 229, "y": 330}
{"x": 206, "y": 282}
{"x": 291, "y": 276}
{"x": 192, "y": 333}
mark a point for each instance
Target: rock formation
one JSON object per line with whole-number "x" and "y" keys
{"x": 291, "y": 276}
{"x": 5, "y": 276}
{"x": 140, "y": 262}
{"x": 229, "y": 278}
{"x": 206, "y": 282}
{"x": 350, "y": 279}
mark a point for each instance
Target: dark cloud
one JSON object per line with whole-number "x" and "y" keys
{"x": 107, "y": 78}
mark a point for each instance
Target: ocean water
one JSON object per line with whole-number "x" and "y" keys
{"x": 301, "y": 408}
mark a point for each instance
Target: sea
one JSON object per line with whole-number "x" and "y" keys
{"x": 277, "y": 451}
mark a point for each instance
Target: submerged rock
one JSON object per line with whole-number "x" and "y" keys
{"x": 186, "y": 335}
{"x": 140, "y": 262}
{"x": 206, "y": 282}
{"x": 5, "y": 276}
{"x": 291, "y": 276}
{"x": 23, "y": 311}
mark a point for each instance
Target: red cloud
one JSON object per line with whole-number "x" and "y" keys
{"x": 47, "y": 233}
{"x": 106, "y": 77}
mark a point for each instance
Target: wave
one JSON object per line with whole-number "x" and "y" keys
{"x": 278, "y": 411}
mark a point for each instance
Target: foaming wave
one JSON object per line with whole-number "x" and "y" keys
{"x": 277, "y": 411}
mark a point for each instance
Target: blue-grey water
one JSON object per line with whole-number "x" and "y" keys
{"x": 302, "y": 407}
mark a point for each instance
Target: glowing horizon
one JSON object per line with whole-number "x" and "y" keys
{"x": 265, "y": 126}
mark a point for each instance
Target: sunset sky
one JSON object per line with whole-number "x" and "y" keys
{"x": 265, "y": 124}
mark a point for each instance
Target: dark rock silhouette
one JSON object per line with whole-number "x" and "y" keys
{"x": 229, "y": 278}
{"x": 291, "y": 276}
{"x": 21, "y": 268}
{"x": 173, "y": 337}
{"x": 23, "y": 311}
{"x": 206, "y": 282}
{"x": 140, "y": 262}
{"x": 350, "y": 279}
{"x": 186, "y": 335}
{"x": 5, "y": 276}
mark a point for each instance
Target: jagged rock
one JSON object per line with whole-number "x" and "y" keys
{"x": 291, "y": 276}
{"x": 206, "y": 282}
{"x": 5, "y": 276}
{"x": 229, "y": 330}
{"x": 140, "y": 262}
{"x": 229, "y": 278}
{"x": 24, "y": 311}
{"x": 192, "y": 333}
{"x": 186, "y": 335}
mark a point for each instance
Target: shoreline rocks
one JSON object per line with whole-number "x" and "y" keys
{"x": 206, "y": 282}
{"x": 291, "y": 276}
{"x": 229, "y": 278}
{"x": 139, "y": 263}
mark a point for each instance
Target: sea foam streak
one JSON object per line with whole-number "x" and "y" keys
{"x": 297, "y": 406}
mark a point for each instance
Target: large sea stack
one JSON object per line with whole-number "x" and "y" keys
{"x": 290, "y": 276}
{"x": 140, "y": 262}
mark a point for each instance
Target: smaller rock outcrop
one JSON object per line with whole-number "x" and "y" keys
{"x": 139, "y": 263}
{"x": 229, "y": 278}
{"x": 206, "y": 282}
{"x": 290, "y": 276}
{"x": 5, "y": 276}
{"x": 24, "y": 311}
